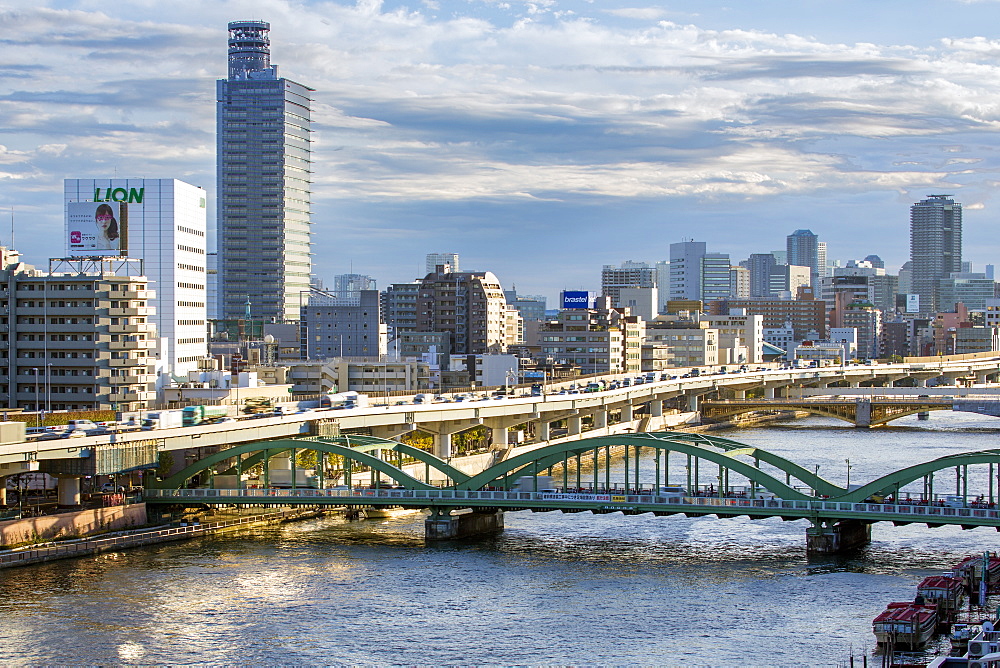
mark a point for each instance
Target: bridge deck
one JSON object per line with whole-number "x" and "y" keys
{"x": 900, "y": 513}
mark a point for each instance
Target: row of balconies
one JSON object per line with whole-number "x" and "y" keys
{"x": 87, "y": 346}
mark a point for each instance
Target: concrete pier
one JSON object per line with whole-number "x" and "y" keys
{"x": 462, "y": 524}
{"x": 843, "y": 536}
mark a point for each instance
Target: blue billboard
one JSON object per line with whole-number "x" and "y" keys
{"x": 575, "y": 299}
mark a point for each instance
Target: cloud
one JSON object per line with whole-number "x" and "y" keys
{"x": 476, "y": 106}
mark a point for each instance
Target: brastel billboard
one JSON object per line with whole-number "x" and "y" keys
{"x": 575, "y": 299}
{"x": 96, "y": 228}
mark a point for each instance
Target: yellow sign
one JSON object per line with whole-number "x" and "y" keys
{"x": 617, "y": 498}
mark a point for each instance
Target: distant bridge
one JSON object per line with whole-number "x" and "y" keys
{"x": 861, "y": 411}
{"x": 742, "y": 480}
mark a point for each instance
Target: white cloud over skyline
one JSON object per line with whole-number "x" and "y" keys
{"x": 538, "y": 140}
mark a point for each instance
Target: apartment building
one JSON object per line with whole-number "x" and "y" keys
{"x": 76, "y": 337}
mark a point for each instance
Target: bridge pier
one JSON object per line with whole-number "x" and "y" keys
{"x": 600, "y": 419}
{"x": 842, "y": 536}
{"x": 574, "y": 426}
{"x": 544, "y": 428}
{"x": 443, "y": 525}
{"x": 863, "y": 414}
{"x": 656, "y": 408}
{"x": 3, "y": 491}
{"x": 68, "y": 489}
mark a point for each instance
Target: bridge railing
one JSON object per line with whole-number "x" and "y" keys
{"x": 360, "y": 496}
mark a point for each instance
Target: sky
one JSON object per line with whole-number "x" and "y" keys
{"x": 539, "y": 140}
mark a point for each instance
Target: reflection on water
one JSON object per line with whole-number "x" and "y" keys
{"x": 552, "y": 588}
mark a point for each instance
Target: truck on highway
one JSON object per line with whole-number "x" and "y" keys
{"x": 195, "y": 415}
{"x": 163, "y": 420}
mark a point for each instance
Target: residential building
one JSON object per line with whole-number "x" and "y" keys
{"x": 629, "y": 275}
{"x": 399, "y": 308}
{"x": 264, "y": 177}
{"x": 332, "y": 326}
{"x": 674, "y": 342}
{"x": 601, "y": 340}
{"x": 642, "y": 302}
{"x": 470, "y": 306}
{"x": 935, "y": 247}
{"x": 165, "y": 226}
{"x": 79, "y": 336}
{"x": 806, "y": 314}
{"x": 739, "y": 282}
{"x": 740, "y": 336}
{"x": 375, "y": 377}
{"x": 435, "y": 260}
{"x": 867, "y": 320}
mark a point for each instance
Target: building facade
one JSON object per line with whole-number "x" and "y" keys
{"x": 264, "y": 172}
{"x": 335, "y": 327}
{"x": 629, "y": 275}
{"x": 470, "y": 307}
{"x": 806, "y": 250}
{"x": 77, "y": 337}
{"x": 166, "y": 228}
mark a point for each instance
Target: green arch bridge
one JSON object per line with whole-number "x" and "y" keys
{"x": 663, "y": 473}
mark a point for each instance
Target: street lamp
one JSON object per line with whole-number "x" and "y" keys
{"x": 848, "y": 462}
{"x": 38, "y": 414}
{"x": 48, "y": 387}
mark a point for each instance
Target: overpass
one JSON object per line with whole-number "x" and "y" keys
{"x": 662, "y": 473}
{"x": 645, "y": 407}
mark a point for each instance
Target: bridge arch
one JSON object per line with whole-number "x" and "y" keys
{"x": 897, "y": 479}
{"x": 545, "y": 457}
{"x": 336, "y": 446}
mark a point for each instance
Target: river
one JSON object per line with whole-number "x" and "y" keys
{"x": 551, "y": 589}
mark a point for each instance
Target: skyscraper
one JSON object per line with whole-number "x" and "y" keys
{"x": 806, "y": 250}
{"x": 264, "y": 175}
{"x": 935, "y": 247}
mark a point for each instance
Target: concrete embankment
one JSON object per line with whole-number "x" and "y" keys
{"x": 88, "y": 546}
{"x": 72, "y": 524}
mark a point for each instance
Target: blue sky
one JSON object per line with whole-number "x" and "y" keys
{"x": 540, "y": 140}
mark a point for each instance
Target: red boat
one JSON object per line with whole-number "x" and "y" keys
{"x": 971, "y": 567}
{"x": 906, "y": 625}
{"x": 945, "y": 592}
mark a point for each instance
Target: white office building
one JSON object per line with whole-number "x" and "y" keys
{"x": 166, "y": 229}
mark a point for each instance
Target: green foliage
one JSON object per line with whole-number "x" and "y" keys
{"x": 63, "y": 417}
{"x": 165, "y": 463}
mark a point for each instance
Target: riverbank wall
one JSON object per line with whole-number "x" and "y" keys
{"x": 72, "y": 525}
{"x": 85, "y": 547}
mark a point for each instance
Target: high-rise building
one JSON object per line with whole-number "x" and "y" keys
{"x": 806, "y": 250}
{"x": 935, "y": 246}
{"x": 435, "y": 260}
{"x": 696, "y": 274}
{"x": 264, "y": 171}
{"x": 629, "y": 275}
{"x": 166, "y": 228}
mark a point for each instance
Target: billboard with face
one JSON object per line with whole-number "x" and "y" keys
{"x": 96, "y": 228}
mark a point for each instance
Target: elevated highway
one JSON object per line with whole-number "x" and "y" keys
{"x": 642, "y": 407}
